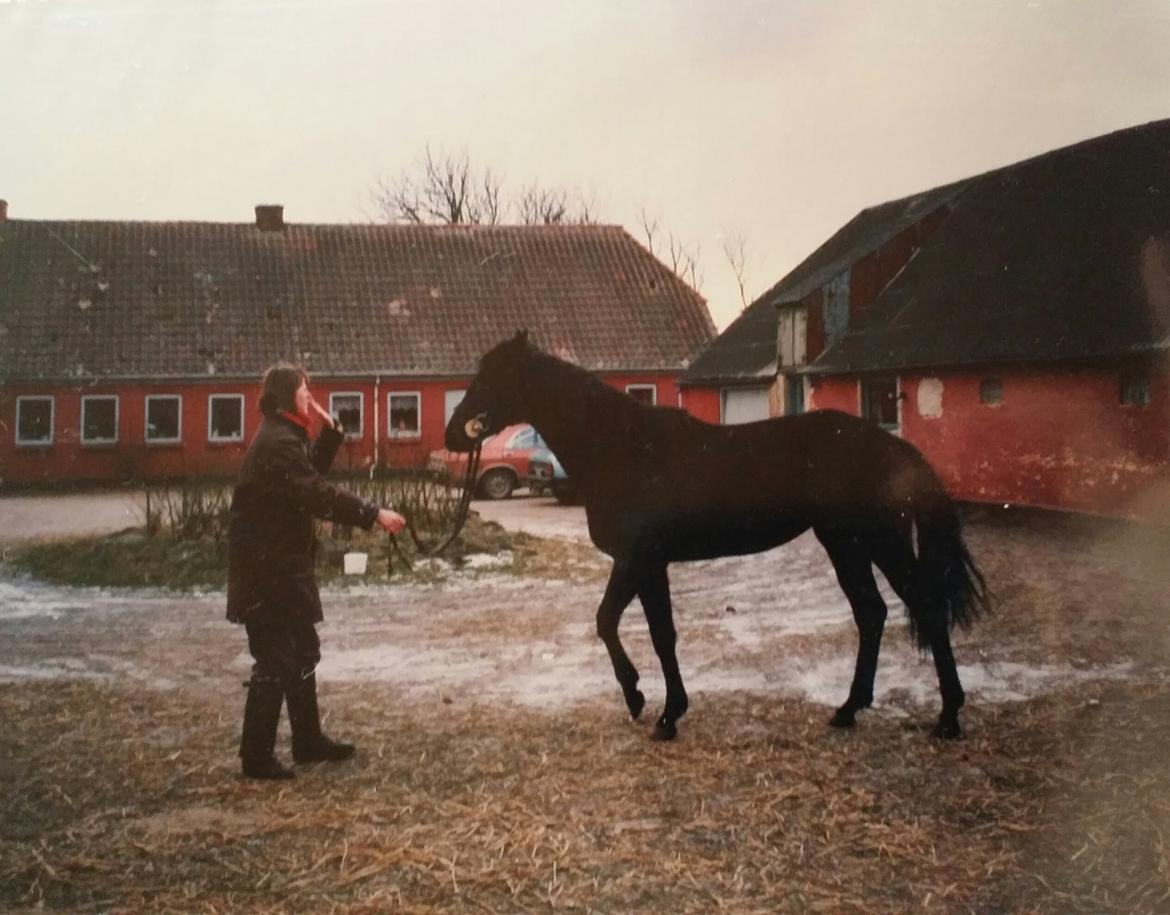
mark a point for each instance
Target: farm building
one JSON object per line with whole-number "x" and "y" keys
{"x": 1014, "y": 326}
{"x": 133, "y": 350}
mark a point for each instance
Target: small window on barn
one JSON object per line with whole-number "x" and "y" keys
{"x": 164, "y": 419}
{"x": 879, "y": 401}
{"x": 647, "y": 393}
{"x": 225, "y": 418}
{"x": 99, "y": 420}
{"x": 346, "y": 408}
{"x": 34, "y": 420}
{"x": 1135, "y": 390}
{"x": 991, "y": 391}
{"x": 405, "y": 414}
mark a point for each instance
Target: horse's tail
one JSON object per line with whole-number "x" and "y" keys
{"x": 954, "y": 586}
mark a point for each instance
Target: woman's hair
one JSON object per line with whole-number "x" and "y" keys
{"x": 280, "y": 388}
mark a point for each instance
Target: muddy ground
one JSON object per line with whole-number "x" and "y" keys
{"x": 497, "y": 770}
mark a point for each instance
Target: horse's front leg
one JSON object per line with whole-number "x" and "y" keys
{"x": 618, "y": 593}
{"x": 654, "y": 591}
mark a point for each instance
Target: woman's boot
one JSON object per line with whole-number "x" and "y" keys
{"x": 308, "y": 743}
{"x": 261, "y": 717}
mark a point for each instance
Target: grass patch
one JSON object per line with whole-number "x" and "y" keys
{"x": 125, "y": 559}
{"x": 132, "y": 559}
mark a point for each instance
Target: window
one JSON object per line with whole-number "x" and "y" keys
{"x": 879, "y": 401}
{"x": 991, "y": 391}
{"x": 523, "y": 440}
{"x": 99, "y": 420}
{"x": 646, "y": 393}
{"x": 164, "y": 419}
{"x": 1135, "y": 390}
{"x": 225, "y": 418}
{"x": 404, "y": 413}
{"x": 346, "y": 408}
{"x": 451, "y": 399}
{"x": 34, "y": 420}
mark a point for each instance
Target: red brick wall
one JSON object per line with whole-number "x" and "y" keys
{"x": 1057, "y": 440}
{"x": 702, "y": 403}
{"x": 67, "y": 459}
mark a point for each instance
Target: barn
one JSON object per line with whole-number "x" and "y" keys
{"x": 133, "y": 350}
{"x": 1014, "y": 326}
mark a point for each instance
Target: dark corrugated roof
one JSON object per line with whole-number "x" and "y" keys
{"x": 745, "y": 351}
{"x": 1065, "y": 256}
{"x": 865, "y": 232}
{"x": 747, "y": 348}
{"x": 138, "y": 299}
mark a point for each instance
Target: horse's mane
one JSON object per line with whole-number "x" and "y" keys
{"x": 590, "y": 384}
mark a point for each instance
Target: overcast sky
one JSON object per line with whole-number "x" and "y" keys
{"x": 774, "y": 121}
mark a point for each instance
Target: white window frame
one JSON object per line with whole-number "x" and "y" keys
{"x": 37, "y": 442}
{"x": 361, "y": 429}
{"x": 85, "y": 399}
{"x": 642, "y": 386}
{"x": 393, "y": 433}
{"x": 146, "y": 420}
{"x": 210, "y": 429}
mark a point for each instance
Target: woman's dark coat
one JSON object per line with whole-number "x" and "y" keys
{"x": 271, "y": 539}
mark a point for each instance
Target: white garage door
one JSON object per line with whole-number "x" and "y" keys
{"x": 744, "y": 405}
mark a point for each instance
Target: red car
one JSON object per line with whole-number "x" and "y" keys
{"x": 503, "y": 462}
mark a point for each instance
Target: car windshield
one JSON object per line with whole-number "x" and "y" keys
{"x": 522, "y": 439}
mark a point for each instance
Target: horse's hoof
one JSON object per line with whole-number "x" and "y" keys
{"x": 842, "y": 718}
{"x": 663, "y": 731}
{"x": 635, "y": 704}
{"x": 947, "y": 730}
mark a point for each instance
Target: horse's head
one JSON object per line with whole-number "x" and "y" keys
{"x": 494, "y": 399}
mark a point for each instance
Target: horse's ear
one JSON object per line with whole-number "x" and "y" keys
{"x": 521, "y": 338}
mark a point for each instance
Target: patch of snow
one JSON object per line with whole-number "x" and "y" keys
{"x": 24, "y": 598}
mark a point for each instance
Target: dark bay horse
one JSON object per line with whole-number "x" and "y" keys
{"x": 660, "y": 486}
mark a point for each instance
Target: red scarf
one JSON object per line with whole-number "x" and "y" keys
{"x": 296, "y": 419}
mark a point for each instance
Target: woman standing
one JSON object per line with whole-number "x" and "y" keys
{"x": 272, "y": 588}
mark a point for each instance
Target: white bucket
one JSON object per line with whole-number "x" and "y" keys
{"x": 355, "y": 563}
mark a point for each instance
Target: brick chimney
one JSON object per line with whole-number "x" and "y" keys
{"x": 3, "y": 211}
{"x": 270, "y": 217}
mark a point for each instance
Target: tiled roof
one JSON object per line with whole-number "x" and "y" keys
{"x": 145, "y": 300}
{"x": 1063, "y": 257}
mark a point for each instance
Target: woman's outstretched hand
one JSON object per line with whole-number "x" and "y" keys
{"x": 390, "y": 521}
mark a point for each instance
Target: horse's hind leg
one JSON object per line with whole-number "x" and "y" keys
{"x": 654, "y": 591}
{"x": 618, "y": 593}
{"x": 851, "y": 562}
{"x": 895, "y": 557}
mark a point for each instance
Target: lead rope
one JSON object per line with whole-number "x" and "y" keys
{"x": 462, "y": 510}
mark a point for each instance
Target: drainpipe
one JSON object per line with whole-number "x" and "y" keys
{"x": 377, "y": 435}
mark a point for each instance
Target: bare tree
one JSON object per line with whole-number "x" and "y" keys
{"x": 447, "y": 189}
{"x": 440, "y": 189}
{"x": 553, "y": 206}
{"x": 734, "y": 251}
{"x": 649, "y": 229}
{"x": 541, "y": 206}
{"x": 684, "y": 262}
